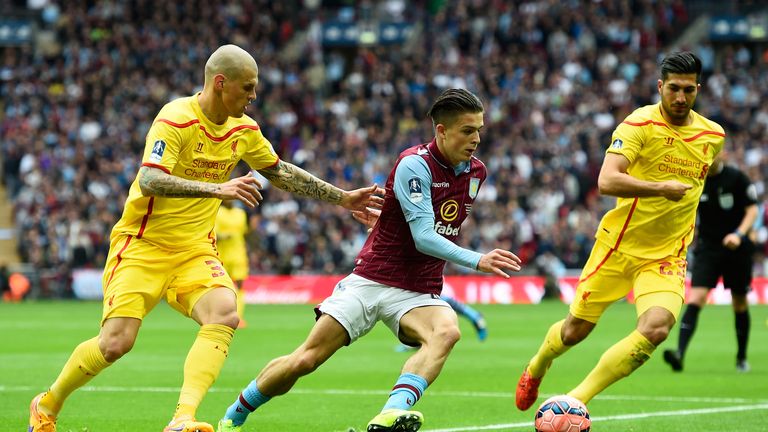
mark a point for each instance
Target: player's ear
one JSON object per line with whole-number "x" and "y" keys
{"x": 440, "y": 130}
{"x": 218, "y": 82}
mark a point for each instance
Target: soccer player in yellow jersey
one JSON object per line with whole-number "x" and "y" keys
{"x": 164, "y": 245}
{"x": 656, "y": 165}
{"x": 231, "y": 228}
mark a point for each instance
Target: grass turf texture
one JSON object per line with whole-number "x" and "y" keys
{"x": 474, "y": 392}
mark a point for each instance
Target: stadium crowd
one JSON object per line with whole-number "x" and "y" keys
{"x": 555, "y": 78}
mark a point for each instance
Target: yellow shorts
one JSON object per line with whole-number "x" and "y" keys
{"x": 610, "y": 275}
{"x": 138, "y": 274}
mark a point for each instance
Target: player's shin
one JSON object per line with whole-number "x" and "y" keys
{"x": 550, "y": 349}
{"x": 687, "y": 328}
{"x": 742, "y": 323}
{"x": 203, "y": 364}
{"x": 616, "y": 363}
{"x": 247, "y": 402}
{"x": 85, "y": 363}
{"x": 406, "y": 392}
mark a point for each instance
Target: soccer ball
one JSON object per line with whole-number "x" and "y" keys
{"x": 562, "y": 413}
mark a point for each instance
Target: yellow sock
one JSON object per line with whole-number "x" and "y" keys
{"x": 204, "y": 361}
{"x": 551, "y": 349}
{"x": 85, "y": 363}
{"x": 617, "y": 362}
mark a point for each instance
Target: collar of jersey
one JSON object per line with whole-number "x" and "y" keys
{"x": 437, "y": 156}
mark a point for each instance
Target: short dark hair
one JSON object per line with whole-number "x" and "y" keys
{"x": 683, "y": 62}
{"x": 451, "y": 103}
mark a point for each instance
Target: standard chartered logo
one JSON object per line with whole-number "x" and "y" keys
{"x": 209, "y": 169}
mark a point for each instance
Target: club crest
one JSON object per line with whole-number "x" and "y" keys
{"x": 474, "y": 186}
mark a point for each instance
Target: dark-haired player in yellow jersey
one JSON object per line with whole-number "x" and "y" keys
{"x": 164, "y": 245}
{"x": 656, "y": 165}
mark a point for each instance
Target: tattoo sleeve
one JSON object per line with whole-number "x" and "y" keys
{"x": 291, "y": 178}
{"x": 155, "y": 182}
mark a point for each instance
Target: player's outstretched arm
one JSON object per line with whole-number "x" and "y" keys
{"x": 495, "y": 261}
{"x": 615, "y": 181}
{"x": 291, "y": 178}
{"x": 156, "y": 182}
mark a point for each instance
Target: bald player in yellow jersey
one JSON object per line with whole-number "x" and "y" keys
{"x": 231, "y": 228}
{"x": 656, "y": 165}
{"x": 164, "y": 245}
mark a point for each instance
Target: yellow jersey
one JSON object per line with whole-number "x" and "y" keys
{"x": 184, "y": 143}
{"x": 231, "y": 228}
{"x": 655, "y": 227}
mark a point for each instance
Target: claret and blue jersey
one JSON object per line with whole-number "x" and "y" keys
{"x": 421, "y": 185}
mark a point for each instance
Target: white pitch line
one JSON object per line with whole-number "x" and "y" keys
{"x": 117, "y": 389}
{"x": 615, "y": 417}
{"x": 761, "y": 405}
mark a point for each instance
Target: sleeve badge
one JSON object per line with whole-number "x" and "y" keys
{"x": 157, "y": 151}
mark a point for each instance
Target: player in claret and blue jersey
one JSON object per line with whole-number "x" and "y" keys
{"x": 399, "y": 273}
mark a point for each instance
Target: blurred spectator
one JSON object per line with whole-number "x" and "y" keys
{"x": 15, "y": 286}
{"x": 5, "y": 286}
{"x": 554, "y": 77}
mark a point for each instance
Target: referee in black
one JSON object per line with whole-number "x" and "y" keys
{"x": 727, "y": 211}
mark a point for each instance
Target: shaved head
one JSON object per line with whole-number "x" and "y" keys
{"x": 230, "y": 61}
{"x": 231, "y": 79}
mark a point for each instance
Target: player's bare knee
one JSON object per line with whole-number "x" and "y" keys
{"x": 698, "y": 297}
{"x": 447, "y": 336}
{"x": 740, "y": 303}
{"x": 572, "y": 338}
{"x": 575, "y": 333}
{"x": 113, "y": 347}
{"x": 304, "y": 363}
{"x": 575, "y": 330}
{"x": 229, "y": 319}
{"x": 655, "y": 334}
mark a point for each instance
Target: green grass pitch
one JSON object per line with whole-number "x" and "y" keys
{"x": 475, "y": 391}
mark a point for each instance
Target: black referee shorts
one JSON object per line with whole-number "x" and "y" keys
{"x": 711, "y": 261}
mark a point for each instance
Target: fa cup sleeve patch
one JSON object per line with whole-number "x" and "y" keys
{"x": 157, "y": 151}
{"x": 414, "y": 190}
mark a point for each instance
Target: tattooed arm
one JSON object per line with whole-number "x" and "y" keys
{"x": 295, "y": 180}
{"x": 291, "y": 178}
{"x": 156, "y": 182}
